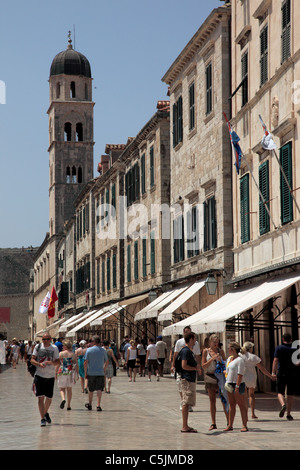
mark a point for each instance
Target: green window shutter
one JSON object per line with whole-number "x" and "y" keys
{"x": 175, "y": 119}
{"x": 151, "y": 166}
{"x": 113, "y": 200}
{"x": 190, "y": 250}
{"x": 108, "y": 273}
{"x": 286, "y": 30}
{"x": 144, "y": 257}
{"x": 180, "y": 120}
{"x": 152, "y": 253}
{"x": 286, "y": 200}
{"x": 128, "y": 263}
{"x": 136, "y": 260}
{"x": 137, "y": 181}
{"x": 245, "y": 78}
{"x": 264, "y": 56}
{"x": 98, "y": 278}
{"x": 143, "y": 176}
{"x": 103, "y": 276}
{"x": 114, "y": 260}
{"x": 175, "y": 242}
{"x": 264, "y": 218}
{"x": 107, "y": 205}
{"x": 210, "y": 224}
{"x": 195, "y": 225}
{"x": 208, "y": 77}
{"x": 245, "y": 209}
{"x": 192, "y": 106}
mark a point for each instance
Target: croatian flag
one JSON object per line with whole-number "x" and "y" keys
{"x": 45, "y": 304}
{"x": 235, "y": 145}
{"x": 267, "y": 140}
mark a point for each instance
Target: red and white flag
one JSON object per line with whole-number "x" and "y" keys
{"x": 267, "y": 140}
{"x": 45, "y": 304}
{"x": 53, "y": 299}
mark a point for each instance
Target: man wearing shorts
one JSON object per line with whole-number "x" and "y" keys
{"x": 286, "y": 375}
{"x": 95, "y": 364}
{"x": 45, "y": 357}
{"x": 190, "y": 367}
{"x": 151, "y": 359}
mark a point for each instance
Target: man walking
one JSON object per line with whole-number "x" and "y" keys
{"x": 286, "y": 375}
{"x": 45, "y": 357}
{"x": 190, "y": 367}
{"x": 95, "y": 364}
{"x": 161, "y": 354}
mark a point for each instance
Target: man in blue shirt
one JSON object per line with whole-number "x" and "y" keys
{"x": 95, "y": 364}
{"x": 190, "y": 367}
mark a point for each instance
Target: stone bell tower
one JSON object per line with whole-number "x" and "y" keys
{"x": 71, "y": 139}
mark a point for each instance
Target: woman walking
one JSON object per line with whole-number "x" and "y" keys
{"x": 212, "y": 357}
{"x": 251, "y": 362}
{"x": 65, "y": 373}
{"x": 235, "y": 386}
{"x": 109, "y": 373}
{"x": 80, "y": 352}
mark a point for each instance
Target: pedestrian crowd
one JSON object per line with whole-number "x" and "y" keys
{"x": 93, "y": 363}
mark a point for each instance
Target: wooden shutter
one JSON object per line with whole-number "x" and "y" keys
{"x": 245, "y": 78}
{"x": 136, "y": 260}
{"x": 143, "y": 171}
{"x": 151, "y": 166}
{"x": 180, "y": 119}
{"x": 286, "y": 200}
{"x": 286, "y": 30}
{"x": 128, "y": 263}
{"x": 108, "y": 273}
{"x": 175, "y": 118}
{"x": 245, "y": 209}
{"x": 208, "y": 76}
{"x": 152, "y": 253}
{"x": 264, "y": 219}
{"x": 114, "y": 271}
{"x": 144, "y": 257}
{"x": 264, "y": 55}
{"x": 192, "y": 105}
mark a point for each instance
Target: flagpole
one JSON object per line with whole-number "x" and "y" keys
{"x": 285, "y": 179}
{"x": 260, "y": 193}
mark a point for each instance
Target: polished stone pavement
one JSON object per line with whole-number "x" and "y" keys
{"x": 139, "y": 415}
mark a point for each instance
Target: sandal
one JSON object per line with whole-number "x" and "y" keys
{"x": 244, "y": 429}
{"x": 190, "y": 430}
{"x": 62, "y": 405}
{"x": 99, "y": 408}
{"x": 212, "y": 426}
{"x": 229, "y": 428}
{"x": 88, "y": 406}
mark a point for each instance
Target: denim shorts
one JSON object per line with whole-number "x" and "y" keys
{"x": 242, "y": 387}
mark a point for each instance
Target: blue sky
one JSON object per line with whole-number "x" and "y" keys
{"x": 130, "y": 45}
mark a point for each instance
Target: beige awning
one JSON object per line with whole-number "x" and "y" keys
{"x": 213, "y": 318}
{"x": 134, "y": 300}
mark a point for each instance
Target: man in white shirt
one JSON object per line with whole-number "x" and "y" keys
{"x": 151, "y": 359}
{"x": 161, "y": 354}
{"x": 178, "y": 346}
{"x": 45, "y": 357}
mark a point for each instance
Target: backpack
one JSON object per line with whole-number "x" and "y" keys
{"x": 177, "y": 364}
{"x": 31, "y": 368}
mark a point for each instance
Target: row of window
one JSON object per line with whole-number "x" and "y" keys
{"x": 178, "y": 107}
{"x": 72, "y": 90}
{"x": 286, "y": 200}
{"x": 74, "y": 175}
{"x": 135, "y": 178}
{"x": 68, "y": 132}
{"x": 264, "y": 50}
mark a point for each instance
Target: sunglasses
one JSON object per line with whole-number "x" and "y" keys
{"x": 46, "y": 339}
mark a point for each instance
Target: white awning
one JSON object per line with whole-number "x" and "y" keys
{"x": 213, "y": 318}
{"x": 167, "y": 313}
{"x": 134, "y": 300}
{"x": 85, "y": 322}
{"x": 113, "y": 311}
{"x": 152, "y": 309}
{"x": 44, "y": 330}
{"x": 75, "y": 319}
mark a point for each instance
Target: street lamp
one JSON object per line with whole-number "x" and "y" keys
{"x": 211, "y": 284}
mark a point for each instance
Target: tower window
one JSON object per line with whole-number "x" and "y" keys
{"x": 86, "y": 92}
{"x": 79, "y": 132}
{"x": 58, "y": 90}
{"x": 80, "y": 175}
{"x": 68, "y": 175}
{"x": 74, "y": 176}
{"x": 72, "y": 90}
{"x": 68, "y": 132}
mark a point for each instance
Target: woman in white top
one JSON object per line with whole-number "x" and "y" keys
{"x": 235, "y": 386}
{"x": 131, "y": 359}
{"x": 251, "y": 362}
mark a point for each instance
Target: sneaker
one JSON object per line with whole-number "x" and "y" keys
{"x": 47, "y": 418}
{"x": 282, "y": 411}
{"x": 149, "y": 380}
{"x": 43, "y": 422}
{"x": 157, "y": 378}
{"x": 289, "y": 417}
{"x": 190, "y": 408}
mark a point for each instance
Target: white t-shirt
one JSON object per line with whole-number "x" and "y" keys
{"x": 152, "y": 349}
{"x": 251, "y": 360}
{"x": 181, "y": 343}
{"x": 2, "y": 352}
{"x": 42, "y": 354}
{"x": 235, "y": 367}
